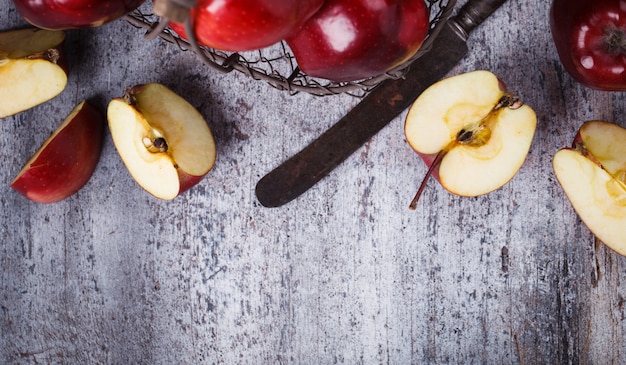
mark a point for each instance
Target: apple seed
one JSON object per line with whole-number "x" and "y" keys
{"x": 158, "y": 144}
{"x": 474, "y": 137}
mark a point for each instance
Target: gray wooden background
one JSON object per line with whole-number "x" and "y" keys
{"x": 345, "y": 274}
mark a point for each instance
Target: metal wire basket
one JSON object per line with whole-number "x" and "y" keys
{"x": 276, "y": 65}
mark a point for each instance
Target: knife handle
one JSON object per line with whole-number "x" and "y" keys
{"x": 474, "y": 12}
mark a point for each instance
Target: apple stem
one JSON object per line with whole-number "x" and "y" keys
{"x": 510, "y": 101}
{"x": 615, "y": 40}
{"x": 433, "y": 166}
{"x": 51, "y": 55}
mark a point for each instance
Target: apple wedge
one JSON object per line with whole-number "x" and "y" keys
{"x": 471, "y": 132}
{"x": 32, "y": 68}
{"x": 66, "y": 160}
{"x": 592, "y": 174}
{"x": 162, "y": 139}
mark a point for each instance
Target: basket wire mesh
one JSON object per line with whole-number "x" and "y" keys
{"x": 276, "y": 65}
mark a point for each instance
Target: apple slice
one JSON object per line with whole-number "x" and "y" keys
{"x": 471, "y": 132}
{"x": 593, "y": 176}
{"x": 162, "y": 139}
{"x": 32, "y": 68}
{"x": 66, "y": 160}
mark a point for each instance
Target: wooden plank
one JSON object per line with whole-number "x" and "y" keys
{"x": 344, "y": 274}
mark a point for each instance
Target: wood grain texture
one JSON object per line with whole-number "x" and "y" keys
{"x": 346, "y": 273}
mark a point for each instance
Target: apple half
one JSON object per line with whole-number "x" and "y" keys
{"x": 32, "y": 68}
{"x": 472, "y": 133}
{"x": 66, "y": 160}
{"x": 592, "y": 174}
{"x": 163, "y": 140}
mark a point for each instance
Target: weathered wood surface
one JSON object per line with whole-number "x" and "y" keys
{"x": 346, "y": 273}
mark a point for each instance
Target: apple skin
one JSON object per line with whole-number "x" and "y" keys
{"x": 66, "y": 160}
{"x": 590, "y": 38}
{"x": 348, "y": 40}
{"x": 244, "y": 25}
{"x": 188, "y": 181}
{"x": 73, "y": 14}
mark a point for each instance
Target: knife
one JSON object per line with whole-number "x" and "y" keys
{"x": 296, "y": 175}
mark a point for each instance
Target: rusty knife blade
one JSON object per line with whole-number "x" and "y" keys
{"x": 302, "y": 171}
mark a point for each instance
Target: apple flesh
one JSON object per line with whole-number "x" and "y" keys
{"x": 66, "y": 160}
{"x": 72, "y": 14}
{"x": 592, "y": 174}
{"x": 349, "y": 40}
{"x": 472, "y": 133}
{"x": 244, "y": 25}
{"x": 32, "y": 68}
{"x": 162, "y": 139}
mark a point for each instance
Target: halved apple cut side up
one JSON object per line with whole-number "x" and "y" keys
{"x": 472, "y": 133}
{"x": 163, "y": 140}
{"x": 592, "y": 174}
{"x": 31, "y": 68}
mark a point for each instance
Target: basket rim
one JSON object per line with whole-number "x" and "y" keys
{"x": 296, "y": 81}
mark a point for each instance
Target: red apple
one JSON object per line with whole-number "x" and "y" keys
{"x": 472, "y": 134}
{"x": 69, "y": 14}
{"x": 347, "y": 40}
{"x": 66, "y": 160}
{"x": 592, "y": 174}
{"x": 162, "y": 139}
{"x": 32, "y": 68}
{"x": 243, "y": 25}
{"x": 590, "y": 38}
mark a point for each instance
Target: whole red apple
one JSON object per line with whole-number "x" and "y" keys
{"x": 590, "y": 38}
{"x": 243, "y": 25}
{"x": 348, "y": 40}
{"x": 70, "y": 14}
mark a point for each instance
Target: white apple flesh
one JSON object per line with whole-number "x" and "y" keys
{"x": 32, "y": 69}
{"x": 593, "y": 176}
{"x": 471, "y": 132}
{"x": 66, "y": 160}
{"x": 163, "y": 140}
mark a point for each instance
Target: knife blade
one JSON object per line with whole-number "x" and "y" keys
{"x": 302, "y": 171}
